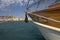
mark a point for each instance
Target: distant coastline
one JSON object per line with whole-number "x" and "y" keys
{"x": 9, "y": 18}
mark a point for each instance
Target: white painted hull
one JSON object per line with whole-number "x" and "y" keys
{"x": 49, "y": 32}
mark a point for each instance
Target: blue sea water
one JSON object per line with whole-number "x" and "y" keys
{"x": 19, "y": 30}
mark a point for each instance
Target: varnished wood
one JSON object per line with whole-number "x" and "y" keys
{"x": 52, "y": 12}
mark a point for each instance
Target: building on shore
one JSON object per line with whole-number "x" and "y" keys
{"x": 9, "y": 18}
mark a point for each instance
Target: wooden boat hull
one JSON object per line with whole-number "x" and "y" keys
{"x": 49, "y": 32}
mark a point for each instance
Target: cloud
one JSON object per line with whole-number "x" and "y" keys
{"x": 4, "y": 3}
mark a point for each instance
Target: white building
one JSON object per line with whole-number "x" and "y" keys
{"x": 9, "y": 18}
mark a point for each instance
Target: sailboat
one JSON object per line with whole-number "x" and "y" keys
{"x": 48, "y": 21}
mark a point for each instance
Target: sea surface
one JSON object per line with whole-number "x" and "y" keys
{"x": 19, "y": 30}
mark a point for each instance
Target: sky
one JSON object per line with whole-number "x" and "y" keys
{"x": 17, "y": 7}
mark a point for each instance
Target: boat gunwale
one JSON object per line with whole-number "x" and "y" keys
{"x": 54, "y": 4}
{"x": 47, "y": 10}
{"x": 47, "y": 26}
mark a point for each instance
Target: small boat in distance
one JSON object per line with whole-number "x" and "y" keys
{"x": 48, "y": 21}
